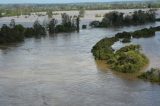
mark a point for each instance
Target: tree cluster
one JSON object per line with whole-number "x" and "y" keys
{"x": 16, "y": 33}
{"x": 127, "y": 59}
{"x": 69, "y": 24}
{"x": 152, "y": 75}
{"x": 115, "y": 18}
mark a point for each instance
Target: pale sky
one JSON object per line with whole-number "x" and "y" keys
{"x": 59, "y": 1}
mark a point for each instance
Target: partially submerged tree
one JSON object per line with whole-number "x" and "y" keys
{"x": 116, "y": 18}
{"x": 69, "y": 23}
{"x": 12, "y": 23}
{"x": 38, "y": 28}
{"x": 9, "y": 35}
{"x": 52, "y": 25}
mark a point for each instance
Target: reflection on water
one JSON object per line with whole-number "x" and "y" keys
{"x": 60, "y": 71}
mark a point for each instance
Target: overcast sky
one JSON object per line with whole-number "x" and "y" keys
{"x": 58, "y": 1}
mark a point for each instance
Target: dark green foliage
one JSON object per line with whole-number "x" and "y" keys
{"x": 10, "y": 35}
{"x": 17, "y": 33}
{"x": 123, "y": 35}
{"x": 29, "y": 32}
{"x": 115, "y": 18}
{"x": 126, "y": 40}
{"x": 38, "y": 29}
{"x": 157, "y": 19}
{"x": 127, "y": 59}
{"x": 112, "y": 19}
{"x": 20, "y": 28}
{"x": 129, "y": 48}
{"x": 152, "y": 75}
{"x": 143, "y": 33}
{"x": 52, "y": 25}
{"x": 68, "y": 24}
{"x": 95, "y": 24}
{"x": 77, "y": 23}
{"x": 155, "y": 28}
{"x": 102, "y": 50}
{"x": 143, "y": 17}
{"x": 65, "y": 28}
{"x": 12, "y": 23}
{"x": 84, "y": 26}
{"x": 61, "y": 28}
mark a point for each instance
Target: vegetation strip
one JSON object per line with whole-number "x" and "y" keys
{"x": 127, "y": 59}
{"x": 16, "y": 33}
{"x": 152, "y": 75}
{"x": 116, "y": 18}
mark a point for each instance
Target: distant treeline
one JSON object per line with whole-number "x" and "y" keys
{"x": 116, "y": 18}
{"x": 17, "y": 33}
{"x": 26, "y": 9}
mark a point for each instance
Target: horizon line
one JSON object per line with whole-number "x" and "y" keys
{"x": 84, "y": 2}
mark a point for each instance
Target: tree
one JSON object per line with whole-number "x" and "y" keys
{"x": 66, "y": 19}
{"x": 9, "y": 35}
{"x": 12, "y": 23}
{"x": 39, "y": 30}
{"x": 19, "y": 28}
{"x": 115, "y": 18}
{"x": 77, "y": 23}
{"x": 45, "y": 24}
{"x": 52, "y": 25}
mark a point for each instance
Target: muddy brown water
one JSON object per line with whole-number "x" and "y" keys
{"x": 60, "y": 71}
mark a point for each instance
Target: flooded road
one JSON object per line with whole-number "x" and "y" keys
{"x": 60, "y": 71}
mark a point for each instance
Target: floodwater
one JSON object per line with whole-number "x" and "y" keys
{"x": 60, "y": 70}
{"x": 28, "y": 21}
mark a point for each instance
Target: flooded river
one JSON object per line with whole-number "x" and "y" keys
{"x": 60, "y": 71}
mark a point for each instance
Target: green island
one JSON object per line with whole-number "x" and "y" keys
{"x": 127, "y": 59}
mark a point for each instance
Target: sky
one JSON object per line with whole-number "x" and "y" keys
{"x": 58, "y": 1}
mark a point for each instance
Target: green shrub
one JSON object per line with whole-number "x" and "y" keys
{"x": 152, "y": 75}
{"x": 127, "y": 59}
